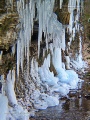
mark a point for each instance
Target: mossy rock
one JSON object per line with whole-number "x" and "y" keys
{"x": 63, "y": 16}
{"x": 65, "y": 2}
{"x": 8, "y": 30}
{"x": 2, "y": 7}
{"x": 7, "y": 21}
{"x": 8, "y": 62}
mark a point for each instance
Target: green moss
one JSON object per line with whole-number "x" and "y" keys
{"x": 2, "y": 6}
{"x": 6, "y": 24}
{"x": 2, "y": 3}
{"x": 65, "y": 2}
{"x": 63, "y": 16}
{"x": 8, "y": 62}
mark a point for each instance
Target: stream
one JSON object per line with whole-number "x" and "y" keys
{"x": 75, "y": 107}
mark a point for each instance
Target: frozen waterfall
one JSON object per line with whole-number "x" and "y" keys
{"x": 44, "y": 84}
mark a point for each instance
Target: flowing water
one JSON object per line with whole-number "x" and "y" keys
{"x": 75, "y": 107}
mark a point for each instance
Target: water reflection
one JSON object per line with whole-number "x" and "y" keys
{"x": 73, "y": 108}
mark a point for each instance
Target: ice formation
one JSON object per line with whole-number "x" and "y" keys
{"x": 15, "y": 111}
{"x": 3, "y": 107}
{"x": 10, "y": 88}
{"x": 61, "y": 1}
{"x": 48, "y": 24}
{"x": 55, "y": 31}
{"x": 42, "y": 88}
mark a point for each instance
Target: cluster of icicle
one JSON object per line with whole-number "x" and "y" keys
{"x": 49, "y": 87}
{"x": 77, "y": 63}
{"x": 47, "y": 23}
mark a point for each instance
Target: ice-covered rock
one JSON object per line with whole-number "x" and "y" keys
{"x": 10, "y": 88}
{"x": 3, "y": 107}
{"x": 50, "y": 100}
{"x": 18, "y": 113}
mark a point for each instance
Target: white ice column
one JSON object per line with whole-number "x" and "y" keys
{"x": 57, "y": 58}
{"x": 63, "y": 39}
{"x": 61, "y": 1}
{"x": 67, "y": 62}
{"x": 10, "y": 88}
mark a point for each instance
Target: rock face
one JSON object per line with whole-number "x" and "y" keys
{"x": 62, "y": 14}
{"x": 2, "y": 7}
{"x": 8, "y": 34}
{"x": 8, "y": 22}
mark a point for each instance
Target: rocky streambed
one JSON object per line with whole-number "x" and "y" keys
{"x": 75, "y": 107}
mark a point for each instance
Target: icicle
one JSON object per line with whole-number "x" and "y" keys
{"x": 26, "y": 14}
{"x": 48, "y": 60}
{"x": 44, "y": 18}
{"x": 13, "y": 49}
{"x": 18, "y": 56}
{"x": 61, "y": 1}
{"x": 63, "y": 39}
{"x": 46, "y": 42}
{"x": 40, "y": 27}
{"x": 13, "y": 77}
{"x": 22, "y": 49}
{"x": 32, "y": 67}
{"x": 2, "y": 80}
{"x": 67, "y": 62}
{"x": 57, "y": 60}
{"x": 44, "y": 52}
{"x": 10, "y": 88}
{"x": 32, "y": 14}
{"x": 51, "y": 48}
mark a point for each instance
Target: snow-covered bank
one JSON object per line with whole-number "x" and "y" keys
{"x": 68, "y": 77}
